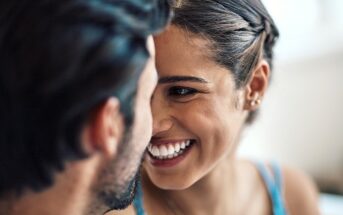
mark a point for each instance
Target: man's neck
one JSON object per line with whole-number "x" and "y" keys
{"x": 69, "y": 195}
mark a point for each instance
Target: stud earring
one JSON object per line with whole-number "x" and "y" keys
{"x": 255, "y": 100}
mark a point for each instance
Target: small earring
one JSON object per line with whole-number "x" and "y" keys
{"x": 255, "y": 100}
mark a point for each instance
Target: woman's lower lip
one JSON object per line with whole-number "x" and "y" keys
{"x": 169, "y": 162}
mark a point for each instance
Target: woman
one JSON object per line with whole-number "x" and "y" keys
{"x": 214, "y": 64}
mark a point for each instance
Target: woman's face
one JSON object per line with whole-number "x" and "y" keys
{"x": 197, "y": 112}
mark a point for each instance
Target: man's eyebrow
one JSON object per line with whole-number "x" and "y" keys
{"x": 173, "y": 79}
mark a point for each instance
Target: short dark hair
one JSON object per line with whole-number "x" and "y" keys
{"x": 241, "y": 32}
{"x": 60, "y": 59}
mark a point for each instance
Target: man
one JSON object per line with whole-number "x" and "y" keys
{"x": 73, "y": 127}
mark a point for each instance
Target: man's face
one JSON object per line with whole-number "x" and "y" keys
{"x": 118, "y": 181}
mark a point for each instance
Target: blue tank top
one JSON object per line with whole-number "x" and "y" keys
{"x": 138, "y": 200}
{"x": 273, "y": 183}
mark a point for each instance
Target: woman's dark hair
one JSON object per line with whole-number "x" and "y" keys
{"x": 241, "y": 32}
{"x": 60, "y": 59}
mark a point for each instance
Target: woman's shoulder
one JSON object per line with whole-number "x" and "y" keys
{"x": 301, "y": 194}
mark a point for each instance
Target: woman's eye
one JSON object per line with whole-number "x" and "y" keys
{"x": 181, "y": 91}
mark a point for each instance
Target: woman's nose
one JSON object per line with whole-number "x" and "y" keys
{"x": 160, "y": 115}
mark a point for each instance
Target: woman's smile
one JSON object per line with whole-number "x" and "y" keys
{"x": 168, "y": 153}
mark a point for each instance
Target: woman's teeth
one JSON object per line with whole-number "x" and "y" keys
{"x": 168, "y": 151}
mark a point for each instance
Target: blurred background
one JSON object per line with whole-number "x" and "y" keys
{"x": 301, "y": 119}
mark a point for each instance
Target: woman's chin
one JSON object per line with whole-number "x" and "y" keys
{"x": 170, "y": 183}
{"x": 170, "y": 186}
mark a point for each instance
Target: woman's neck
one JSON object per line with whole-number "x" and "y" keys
{"x": 213, "y": 194}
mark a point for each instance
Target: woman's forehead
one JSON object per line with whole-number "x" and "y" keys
{"x": 177, "y": 49}
{"x": 180, "y": 38}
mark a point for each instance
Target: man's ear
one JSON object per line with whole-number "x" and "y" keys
{"x": 105, "y": 129}
{"x": 257, "y": 86}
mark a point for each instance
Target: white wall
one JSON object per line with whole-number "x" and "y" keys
{"x": 301, "y": 121}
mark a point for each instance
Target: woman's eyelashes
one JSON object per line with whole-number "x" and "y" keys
{"x": 178, "y": 91}
{"x": 182, "y": 94}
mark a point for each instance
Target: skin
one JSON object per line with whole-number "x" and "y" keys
{"x": 198, "y": 114}
{"x": 76, "y": 189}
{"x": 212, "y": 112}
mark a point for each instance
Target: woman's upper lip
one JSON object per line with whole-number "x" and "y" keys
{"x": 168, "y": 141}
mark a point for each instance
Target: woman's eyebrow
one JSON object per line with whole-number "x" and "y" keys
{"x": 173, "y": 79}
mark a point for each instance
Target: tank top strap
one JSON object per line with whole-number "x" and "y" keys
{"x": 277, "y": 175}
{"x": 138, "y": 200}
{"x": 273, "y": 181}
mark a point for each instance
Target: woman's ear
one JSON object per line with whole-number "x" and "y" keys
{"x": 105, "y": 129}
{"x": 257, "y": 86}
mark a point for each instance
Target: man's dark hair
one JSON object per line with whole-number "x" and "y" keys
{"x": 60, "y": 59}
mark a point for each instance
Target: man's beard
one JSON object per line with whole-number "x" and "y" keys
{"x": 118, "y": 201}
{"x": 116, "y": 185}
